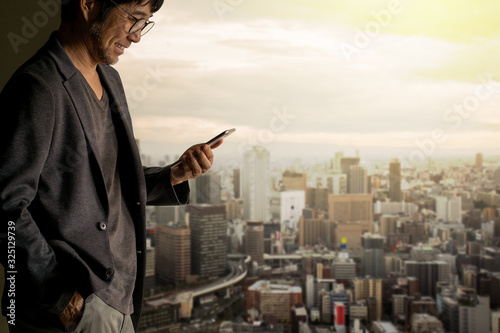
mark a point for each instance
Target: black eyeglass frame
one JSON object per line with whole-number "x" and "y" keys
{"x": 137, "y": 26}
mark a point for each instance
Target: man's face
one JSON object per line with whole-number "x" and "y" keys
{"x": 110, "y": 38}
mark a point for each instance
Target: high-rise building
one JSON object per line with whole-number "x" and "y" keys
{"x": 325, "y": 306}
{"x": 423, "y": 322}
{"x": 388, "y": 224}
{"x": 292, "y": 204}
{"x": 365, "y": 288}
{"x": 345, "y": 164}
{"x": 372, "y": 256}
{"x": 237, "y": 183}
{"x": 173, "y": 253}
{"x": 339, "y": 312}
{"x": 358, "y": 180}
{"x": 396, "y": 208}
{"x": 256, "y": 183}
{"x": 344, "y": 269}
{"x": 348, "y": 234}
{"x": 449, "y": 209}
{"x": 337, "y": 161}
{"x": 274, "y": 299}
{"x": 479, "y": 161}
{"x": 233, "y": 209}
{"x": 208, "y": 226}
{"x": 168, "y": 214}
{"x": 319, "y": 199}
{"x": 350, "y": 208}
{"x": 310, "y": 290}
{"x": 353, "y": 215}
{"x": 496, "y": 177}
{"x": 316, "y": 231}
{"x": 271, "y": 229}
{"x": 254, "y": 241}
{"x": 207, "y": 189}
{"x": 294, "y": 181}
{"x": 334, "y": 183}
{"x": 450, "y": 315}
{"x": 428, "y": 273}
{"x": 474, "y": 313}
{"x": 395, "y": 181}
{"x": 299, "y": 317}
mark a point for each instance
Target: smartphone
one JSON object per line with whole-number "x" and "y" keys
{"x": 212, "y": 142}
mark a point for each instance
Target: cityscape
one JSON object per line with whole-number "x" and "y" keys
{"x": 361, "y": 189}
{"x": 347, "y": 245}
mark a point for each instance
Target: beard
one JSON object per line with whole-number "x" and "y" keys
{"x": 99, "y": 53}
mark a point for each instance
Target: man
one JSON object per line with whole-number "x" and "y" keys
{"x": 72, "y": 189}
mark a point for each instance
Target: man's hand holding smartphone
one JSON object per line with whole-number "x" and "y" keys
{"x": 196, "y": 160}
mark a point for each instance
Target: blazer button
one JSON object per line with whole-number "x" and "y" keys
{"x": 109, "y": 273}
{"x": 103, "y": 226}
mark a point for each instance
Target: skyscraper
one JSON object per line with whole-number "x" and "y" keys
{"x": 388, "y": 224}
{"x": 337, "y": 161}
{"x": 369, "y": 288}
{"x": 449, "y": 209}
{"x": 273, "y": 299}
{"x": 316, "y": 231}
{"x": 358, "y": 179}
{"x": 496, "y": 176}
{"x": 254, "y": 241}
{"x": 173, "y": 253}
{"x": 292, "y": 204}
{"x": 372, "y": 256}
{"x": 237, "y": 183}
{"x": 208, "y": 226}
{"x": 207, "y": 189}
{"x": 479, "y": 161}
{"x": 167, "y": 214}
{"x": 345, "y": 164}
{"x": 294, "y": 181}
{"x": 256, "y": 178}
{"x": 428, "y": 273}
{"x": 350, "y": 208}
{"x": 352, "y": 215}
{"x": 395, "y": 181}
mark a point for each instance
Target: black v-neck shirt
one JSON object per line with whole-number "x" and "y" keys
{"x": 120, "y": 226}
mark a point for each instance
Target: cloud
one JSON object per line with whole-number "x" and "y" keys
{"x": 264, "y": 56}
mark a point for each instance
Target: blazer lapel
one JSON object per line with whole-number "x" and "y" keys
{"x": 77, "y": 95}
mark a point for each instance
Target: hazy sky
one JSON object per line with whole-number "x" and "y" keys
{"x": 309, "y": 78}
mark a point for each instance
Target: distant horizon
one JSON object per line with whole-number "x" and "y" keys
{"x": 228, "y": 153}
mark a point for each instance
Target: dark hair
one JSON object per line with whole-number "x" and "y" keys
{"x": 69, "y": 8}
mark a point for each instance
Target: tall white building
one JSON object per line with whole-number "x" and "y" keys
{"x": 309, "y": 291}
{"x": 475, "y": 316}
{"x": 256, "y": 178}
{"x": 292, "y": 204}
{"x": 449, "y": 209}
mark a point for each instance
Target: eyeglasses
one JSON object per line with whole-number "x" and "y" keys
{"x": 140, "y": 24}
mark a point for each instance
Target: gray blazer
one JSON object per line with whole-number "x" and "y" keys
{"x": 52, "y": 187}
